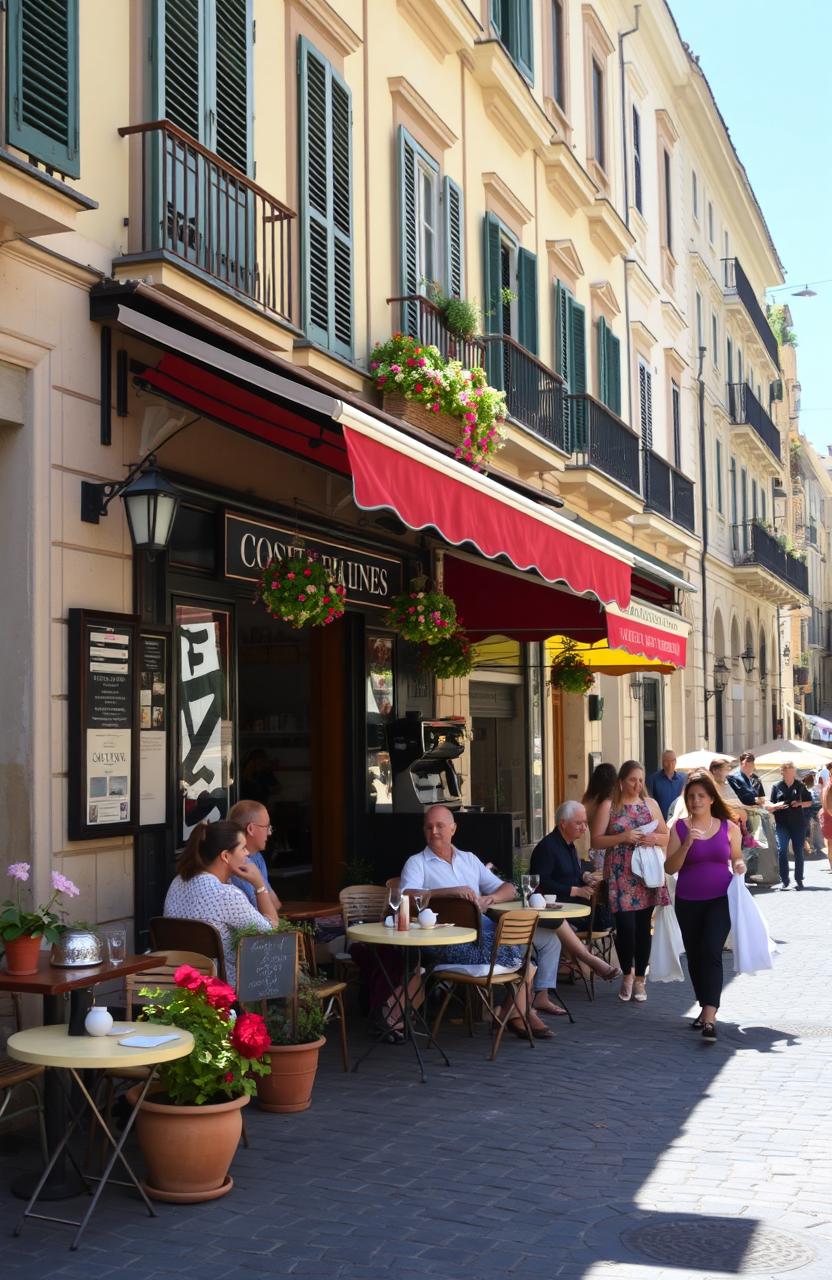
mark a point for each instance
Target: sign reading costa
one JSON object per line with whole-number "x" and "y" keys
{"x": 368, "y": 578}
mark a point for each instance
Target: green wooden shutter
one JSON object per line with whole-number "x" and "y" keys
{"x": 408, "y": 232}
{"x": 645, "y": 399}
{"x": 527, "y": 299}
{"x": 562, "y": 358}
{"x": 42, "y": 70}
{"x": 325, "y": 197}
{"x": 491, "y": 292}
{"x": 577, "y": 370}
{"x": 522, "y": 38}
{"x": 454, "y": 239}
{"x": 233, "y": 87}
{"x": 181, "y": 91}
{"x": 603, "y": 371}
{"x": 613, "y": 373}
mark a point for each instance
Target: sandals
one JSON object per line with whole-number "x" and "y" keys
{"x": 626, "y": 992}
{"x": 519, "y": 1029}
{"x": 709, "y": 1032}
{"x": 615, "y": 971}
{"x": 697, "y": 1024}
{"x": 639, "y": 994}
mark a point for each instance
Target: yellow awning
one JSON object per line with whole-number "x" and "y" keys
{"x": 605, "y": 661}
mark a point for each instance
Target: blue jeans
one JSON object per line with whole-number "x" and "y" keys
{"x": 796, "y": 835}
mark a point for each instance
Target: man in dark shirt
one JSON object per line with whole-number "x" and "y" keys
{"x": 555, "y": 858}
{"x": 791, "y": 820}
{"x": 745, "y": 784}
{"x": 666, "y": 784}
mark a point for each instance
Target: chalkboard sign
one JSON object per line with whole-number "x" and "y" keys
{"x": 267, "y": 966}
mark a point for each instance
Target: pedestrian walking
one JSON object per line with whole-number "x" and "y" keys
{"x": 705, "y": 850}
{"x": 617, "y": 830}
{"x": 665, "y": 785}
{"x": 790, "y": 801}
{"x": 814, "y": 836}
{"x": 599, "y": 789}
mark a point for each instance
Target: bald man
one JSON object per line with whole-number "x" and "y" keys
{"x": 254, "y": 820}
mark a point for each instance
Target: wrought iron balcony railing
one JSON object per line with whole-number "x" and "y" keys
{"x": 744, "y": 407}
{"x": 752, "y": 544}
{"x": 668, "y": 491}
{"x": 202, "y": 212}
{"x": 534, "y": 393}
{"x": 421, "y": 319}
{"x": 736, "y": 282}
{"x": 598, "y": 438}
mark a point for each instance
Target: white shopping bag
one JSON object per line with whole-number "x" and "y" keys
{"x": 749, "y": 932}
{"x": 667, "y": 947}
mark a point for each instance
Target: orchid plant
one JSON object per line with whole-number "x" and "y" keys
{"x": 41, "y": 922}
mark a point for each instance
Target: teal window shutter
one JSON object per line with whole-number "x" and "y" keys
{"x": 562, "y": 358}
{"x": 234, "y": 83}
{"x": 527, "y": 299}
{"x": 42, "y": 78}
{"x": 523, "y": 38}
{"x": 603, "y": 371}
{"x": 326, "y": 202}
{"x": 181, "y": 90}
{"x": 613, "y": 373}
{"x": 645, "y": 397}
{"x": 492, "y": 309}
{"x": 454, "y": 239}
{"x": 408, "y": 232}
{"x": 577, "y": 370}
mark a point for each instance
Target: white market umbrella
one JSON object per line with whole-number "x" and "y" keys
{"x": 791, "y": 749}
{"x": 811, "y": 758}
{"x": 701, "y": 759}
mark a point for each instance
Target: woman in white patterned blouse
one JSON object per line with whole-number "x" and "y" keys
{"x": 215, "y": 852}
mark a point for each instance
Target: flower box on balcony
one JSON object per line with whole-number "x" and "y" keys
{"x": 418, "y": 414}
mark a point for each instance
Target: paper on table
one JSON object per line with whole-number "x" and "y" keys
{"x": 121, "y": 1029}
{"x": 146, "y": 1042}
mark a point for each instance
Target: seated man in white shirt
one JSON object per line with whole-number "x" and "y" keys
{"x": 447, "y": 872}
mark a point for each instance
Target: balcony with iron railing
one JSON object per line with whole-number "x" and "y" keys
{"x": 737, "y": 285}
{"x": 754, "y": 549}
{"x": 745, "y": 410}
{"x": 668, "y": 491}
{"x": 197, "y": 212}
{"x": 600, "y": 439}
{"x": 534, "y": 393}
{"x": 422, "y": 319}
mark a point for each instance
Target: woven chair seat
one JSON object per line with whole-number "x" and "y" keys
{"x": 13, "y": 1072}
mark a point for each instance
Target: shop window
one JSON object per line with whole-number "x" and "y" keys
{"x": 380, "y": 712}
{"x": 205, "y": 764}
{"x": 512, "y": 22}
{"x": 42, "y": 82}
{"x": 325, "y": 214}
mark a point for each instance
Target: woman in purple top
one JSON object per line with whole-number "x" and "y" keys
{"x": 705, "y": 851}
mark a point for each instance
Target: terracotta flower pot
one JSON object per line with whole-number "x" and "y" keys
{"x": 188, "y": 1150}
{"x": 22, "y": 955}
{"x": 289, "y": 1087}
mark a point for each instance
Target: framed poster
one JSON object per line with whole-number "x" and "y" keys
{"x": 102, "y": 761}
{"x": 202, "y": 637}
{"x": 154, "y": 725}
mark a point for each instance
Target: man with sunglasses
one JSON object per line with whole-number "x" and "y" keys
{"x": 254, "y": 819}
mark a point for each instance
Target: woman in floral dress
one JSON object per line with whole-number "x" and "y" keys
{"x": 615, "y": 829}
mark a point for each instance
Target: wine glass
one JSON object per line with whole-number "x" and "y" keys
{"x": 420, "y": 900}
{"x": 534, "y": 881}
{"x": 525, "y": 889}
{"x": 394, "y": 901}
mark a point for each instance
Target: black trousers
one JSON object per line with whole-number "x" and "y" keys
{"x": 705, "y": 925}
{"x": 633, "y": 939}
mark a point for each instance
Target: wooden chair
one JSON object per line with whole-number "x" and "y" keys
{"x": 360, "y": 904}
{"x": 176, "y": 934}
{"x": 467, "y": 914}
{"x": 598, "y": 941}
{"x": 14, "y": 1075}
{"x": 514, "y": 929}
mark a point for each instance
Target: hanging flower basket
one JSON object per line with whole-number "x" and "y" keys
{"x": 300, "y": 590}
{"x": 450, "y": 658}
{"x": 423, "y": 617}
{"x": 569, "y": 671}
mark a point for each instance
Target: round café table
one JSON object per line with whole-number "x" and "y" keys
{"x": 411, "y": 942}
{"x": 563, "y": 910}
{"x": 52, "y": 1047}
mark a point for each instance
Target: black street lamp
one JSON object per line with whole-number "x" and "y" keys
{"x": 150, "y": 503}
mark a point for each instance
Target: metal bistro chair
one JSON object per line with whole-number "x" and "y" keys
{"x": 515, "y": 929}
{"x": 173, "y": 933}
{"x": 13, "y": 1074}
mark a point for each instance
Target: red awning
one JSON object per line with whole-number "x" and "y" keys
{"x": 427, "y": 490}
{"x": 492, "y": 602}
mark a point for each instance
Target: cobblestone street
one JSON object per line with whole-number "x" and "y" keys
{"x": 623, "y": 1135}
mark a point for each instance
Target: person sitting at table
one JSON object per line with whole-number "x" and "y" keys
{"x": 202, "y": 889}
{"x": 555, "y": 859}
{"x": 253, "y": 817}
{"x": 448, "y": 872}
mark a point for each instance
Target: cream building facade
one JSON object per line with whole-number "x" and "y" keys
{"x": 236, "y": 193}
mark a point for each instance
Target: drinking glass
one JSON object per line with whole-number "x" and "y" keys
{"x": 534, "y": 881}
{"x": 525, "y": 889}
{"x": 395, "y": 900}
{"x": 116, "y": 945}
{"x": 421, "y": 900}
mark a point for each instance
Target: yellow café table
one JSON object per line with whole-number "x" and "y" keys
{"x": 410, "y": 942}
{"x": 51, "y": 1046}
{"x": 563, "y": 911}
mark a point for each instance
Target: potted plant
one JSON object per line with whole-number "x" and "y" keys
{"x": 450, "y": 658}
{"x": 300, "y": 590}
{"x": 294, "y": 1045}
{"x": 423, "y": 617}
{"x": 21, "y": 931}
{"x": 569, "y": 671}
{"x": 190, "y": 1124}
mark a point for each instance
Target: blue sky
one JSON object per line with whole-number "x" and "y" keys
{"x": 769, "y": 67}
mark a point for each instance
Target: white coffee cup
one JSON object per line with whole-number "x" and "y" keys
{"x": 98, "y": 1022}
{"x": 550, "y": 899}
{"x": 427, "y": 918}
{"x": 537, "y": 901}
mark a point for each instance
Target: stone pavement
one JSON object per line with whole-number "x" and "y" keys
{"x": 546, "y": 1163}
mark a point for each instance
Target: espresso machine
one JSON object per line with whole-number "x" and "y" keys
{"x": 422, "y": 753}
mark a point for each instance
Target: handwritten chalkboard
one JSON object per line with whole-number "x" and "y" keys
{"x": 267, "y": 966}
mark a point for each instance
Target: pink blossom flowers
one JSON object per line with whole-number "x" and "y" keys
{"x": 19, "y": 871}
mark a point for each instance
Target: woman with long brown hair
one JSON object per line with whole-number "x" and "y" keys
{"x": 599, "y": 788}
{"x": 617, "y": 830}
{"x": 705, "y": 850}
